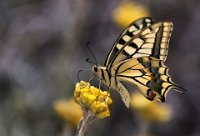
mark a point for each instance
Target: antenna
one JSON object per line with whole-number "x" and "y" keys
{"x": 88, "y": 60}
{"x": 81, "y": 71}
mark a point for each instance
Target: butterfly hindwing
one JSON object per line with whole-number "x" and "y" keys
{"x": 132, "y": 30}
{"x": 148, "y": 74}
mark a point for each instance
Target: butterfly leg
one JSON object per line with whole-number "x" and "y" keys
{"x": 109, "y": 88}
{"x": 100, "y": 80}
{"x": 99, "y": 84}
{"x": 91, "y": 77}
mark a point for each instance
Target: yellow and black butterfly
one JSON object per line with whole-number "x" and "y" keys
{"x": 137, "y": 58}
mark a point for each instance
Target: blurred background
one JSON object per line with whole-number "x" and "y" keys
{"x": 43, "y": 45}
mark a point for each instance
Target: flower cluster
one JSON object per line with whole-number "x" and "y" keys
{"x": 150, "y": 110}
{"x": 93, "y": 99}
{"x": 68, "y": 110}
{"x": 129, "y": 11}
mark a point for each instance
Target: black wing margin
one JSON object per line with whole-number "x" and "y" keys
{"x": 132, "y": 30}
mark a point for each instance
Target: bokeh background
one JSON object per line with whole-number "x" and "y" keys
{"x": 43, "y": 45}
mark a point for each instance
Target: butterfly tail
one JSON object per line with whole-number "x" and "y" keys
{"x": 179, "y": 88}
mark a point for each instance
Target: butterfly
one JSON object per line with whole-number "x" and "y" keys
{"x": 137, "y": 58}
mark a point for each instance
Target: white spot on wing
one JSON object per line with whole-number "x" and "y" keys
{"x": 166, "y": 34}
{"x": 126, "y": 38}
{"x": 147, "y": 51}
{"x": 148, "y": 20}
{"x": 140, "y": 26}
{"x": 163, "y": 45}
{"x": 165, "y": 39}
{"x": 150, "y": 40}
{"x": 136, "y": 32}
{"x": 167, "y": 24}
{"x": 138, "y": 41}
{"x": 119, "y": 46}
{"x": 137, "y": 55}
{"x": 167, "y": 29}
{"x": 146, "y": 31}
{"x": 130, "y": 50}
{"x": 132, "y": 28}
{"x": 147, "y": 45}
{"x": 151, "y": 35}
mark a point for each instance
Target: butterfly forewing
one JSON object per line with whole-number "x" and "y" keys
{"x": 132, "y": 30}
{"x": 152, "y": 41}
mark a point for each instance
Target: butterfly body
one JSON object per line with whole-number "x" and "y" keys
{"x": 137, "y": 58}
{"x": 103, "y": 74}
{"x": 111, "y": 80}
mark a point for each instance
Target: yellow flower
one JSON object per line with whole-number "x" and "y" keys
{"x": 150, "y": 110}
{"x": 68, "y": 110}
{"x": 94, "y": 99}
{"x": 129, "y": 11}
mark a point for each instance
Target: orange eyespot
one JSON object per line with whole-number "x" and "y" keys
{"x": 151, "y": 94}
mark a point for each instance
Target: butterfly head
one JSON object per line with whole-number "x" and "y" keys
{"x": 99, "y": 71}
{"x": 95, "y": 69}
